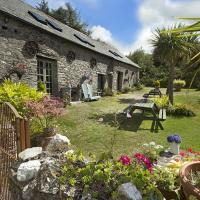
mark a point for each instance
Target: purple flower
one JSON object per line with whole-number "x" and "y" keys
{"x": 170, "y": 138}
{"x": 177, "y": 139}
{"x": 174, "y": 138}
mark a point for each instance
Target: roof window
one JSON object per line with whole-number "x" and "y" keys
{"x": 83, "y": 40}
{"x": 54, "y": 25}
{"x": 38, "y": 17}
{"x": 115, "y": 54}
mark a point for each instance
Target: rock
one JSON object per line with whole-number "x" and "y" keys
{"x": 61, "y": 138}
{"x": 30, "y": 153}
{"x": 58, "y": 143}
{"x": 28, "y": 170}
{"x": 128, "y": 191}
{"x": 100, "y": 120}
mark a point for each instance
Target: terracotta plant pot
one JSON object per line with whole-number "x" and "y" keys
{"x": 188, "y": 188}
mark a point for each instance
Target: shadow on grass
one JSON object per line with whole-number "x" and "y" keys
{"x": 129, "y": 101}
{"x": 123, "y": 123}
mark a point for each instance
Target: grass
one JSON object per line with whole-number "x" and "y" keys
{"x": 89, "y": 135}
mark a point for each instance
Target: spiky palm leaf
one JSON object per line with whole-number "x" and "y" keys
{"x": 170, "y": 48}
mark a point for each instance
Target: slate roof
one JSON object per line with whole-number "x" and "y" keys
{"x": 19, "y": 9}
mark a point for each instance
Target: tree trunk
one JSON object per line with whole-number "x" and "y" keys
{"x": 170, "y": 88}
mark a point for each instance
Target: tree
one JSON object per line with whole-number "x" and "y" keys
{"x": 43, "y": 6}
{"x": 192, "y": 31}
{"x": 149, "y": 71}
{"x": 70, "y": 17}
{"x": 170, "y": 48}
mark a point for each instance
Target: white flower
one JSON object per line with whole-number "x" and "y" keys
{"x": 152, "y": 143}
{"x": 158, "y": 147}
{"x": 69, "y": 152}
{"x": 145, "y": 145}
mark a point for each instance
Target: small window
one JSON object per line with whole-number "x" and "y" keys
{"x": 38, "y": 17}
{"x": 54, "y": 25}
{"x": 115, "y": 54}
{"x": 83, "y": 40}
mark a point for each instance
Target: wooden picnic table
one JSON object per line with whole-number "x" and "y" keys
{"x": 156, "y": 115}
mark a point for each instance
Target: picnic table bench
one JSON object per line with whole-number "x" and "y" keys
{"x": 153, "y": 93}
{"x": 157, "y": 115}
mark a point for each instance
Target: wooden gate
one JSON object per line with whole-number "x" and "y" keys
{"x": 14, "y": 138}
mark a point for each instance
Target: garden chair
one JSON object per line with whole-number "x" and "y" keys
{"x": 87, "y": 92}
{"x": 90, "y": 91}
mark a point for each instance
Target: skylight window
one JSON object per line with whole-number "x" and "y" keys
{"x": 115, "y": 54}
{"x": 38, "y": 17}
{"x": 54, "y": 25}
{"x": 83, "y": 40}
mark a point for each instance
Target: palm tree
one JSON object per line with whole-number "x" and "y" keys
{"x": 169, "y": 48}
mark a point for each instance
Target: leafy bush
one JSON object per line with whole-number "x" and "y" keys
{"x": 126, "y": 90}
{"x": 178, "y": 84}
{"x": 198, "y": 87}
{"x": 180, "y": 110}
{"x": 18, "y": 94}
{"x": 100, "y": 179}
{"x": 138, "y": 86}
{"x": 45, "y": 111}
{"x": 161, "y": 102}
{"x": 156, "y": 84}
{"x": 108, "y": 92}
{"x": 41, "y": 86}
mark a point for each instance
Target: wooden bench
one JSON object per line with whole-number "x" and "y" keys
{"x": 152, "y": 93}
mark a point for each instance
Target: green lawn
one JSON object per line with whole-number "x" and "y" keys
{"x": 81, "y": 125}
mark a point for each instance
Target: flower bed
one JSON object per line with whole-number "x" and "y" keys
{"x": 100, "y": 179}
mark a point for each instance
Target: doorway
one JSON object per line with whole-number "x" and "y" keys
{"x": 101, "y": 82}
{"x": 110, "y": 81}
{"x": 119, "y": 81}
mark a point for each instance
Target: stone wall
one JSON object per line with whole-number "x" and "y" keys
{"x": 14, "y": 36}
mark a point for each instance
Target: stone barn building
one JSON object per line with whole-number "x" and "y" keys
{"x": 36, "y": 47}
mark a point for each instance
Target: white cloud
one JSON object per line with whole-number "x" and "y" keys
{"x": 160, "y": 13}
{"x": 99, "y": 32}
{"x": 151, "y": 14}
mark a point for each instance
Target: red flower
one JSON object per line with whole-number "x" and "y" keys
{"x": 125, "y": 160}
{"x": 190, "y": 150}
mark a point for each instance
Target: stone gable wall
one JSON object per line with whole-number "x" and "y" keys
{"x": 13, "y": 36}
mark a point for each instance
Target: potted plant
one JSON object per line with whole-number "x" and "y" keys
{"x": 174, "y": 141}
{"x": 167, "y": 182}
{"x": 190, "y": 179}
{"x": 45, "y": 113}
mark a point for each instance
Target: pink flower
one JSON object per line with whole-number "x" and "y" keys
{"x": 182, "y": 153}
{"x": 125, "y": 160}
{"x": 142, "y": 159}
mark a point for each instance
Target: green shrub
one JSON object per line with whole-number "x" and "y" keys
{"x": 18, "y": 94}
{"x": 138, "y": 86}
{"x": 41, "y": 86}
{"x": 180, "y": 110}
{"x": 126, "y": 90}
{"x": 156, "y": 84}
{"x": 198, "y": 87}
{"x": 108, "y": 92}
{"x": 161, "y": 102}
{"x": 178, "y": 84}
{"x": 101, "y": 178}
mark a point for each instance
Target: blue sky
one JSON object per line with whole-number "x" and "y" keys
{"x": 128, "y": 24}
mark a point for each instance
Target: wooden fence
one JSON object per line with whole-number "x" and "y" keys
{"x": 14, "y": 138}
